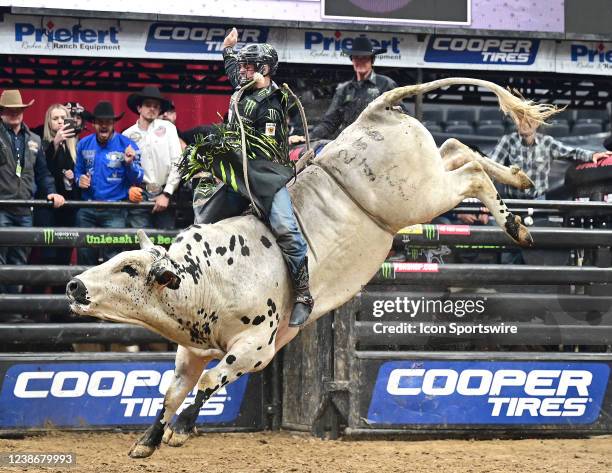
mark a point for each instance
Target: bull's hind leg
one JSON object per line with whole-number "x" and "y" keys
{"x": 248, "y": 355}
{"x": 455, "y": 154}
{"x": 188, "y": 368}
{"x": 470, "y": 180}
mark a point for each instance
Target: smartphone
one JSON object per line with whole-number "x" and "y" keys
{"x": 69, "y": 123}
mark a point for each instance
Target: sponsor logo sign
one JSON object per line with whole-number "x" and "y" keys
{"x": 66, "y": 35}
{"x": 104, "y": 393}
{"x": 125, "y": 239}
{"x": 327, "y": 46}
{"x": 50, "y": 235}
{"x": 198, "y": 38}
{"x": 488, "y": 392}
{"x": 595, "y": 56}
{"x": 389, "y": 270}
{"x": 485, "y": 50}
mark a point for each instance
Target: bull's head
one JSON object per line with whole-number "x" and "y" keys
{"x": 129, "y": 287}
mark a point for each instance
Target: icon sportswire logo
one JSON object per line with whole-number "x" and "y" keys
{"x": 49, "y": 235}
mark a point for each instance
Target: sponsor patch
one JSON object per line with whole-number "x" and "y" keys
{"x": 160, "y": 132}
{"x": 270, "y": 129}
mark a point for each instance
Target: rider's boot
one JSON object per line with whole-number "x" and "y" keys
{"x": 303, "y": 300}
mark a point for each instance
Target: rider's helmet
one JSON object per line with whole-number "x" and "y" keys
{"x": 259, "y": 54}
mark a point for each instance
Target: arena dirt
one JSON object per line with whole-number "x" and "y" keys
{"x": 287, "y": 452}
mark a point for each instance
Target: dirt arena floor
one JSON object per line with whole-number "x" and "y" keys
{"x": 288, "y": 452}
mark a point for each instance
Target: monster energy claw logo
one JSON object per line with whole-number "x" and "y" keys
{"x": 49, "y": 234}
{"x": 249, "y": 106}
{"x": 430, "y": 231}
{"x": 273, "y": 114}
{"x": 385, "y": 270}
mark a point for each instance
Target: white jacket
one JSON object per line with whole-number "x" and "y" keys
{"x": 160, "y": 150}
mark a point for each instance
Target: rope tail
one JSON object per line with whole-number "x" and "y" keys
{"x": 309, "y": 154}
{"x": 245, "y": 167}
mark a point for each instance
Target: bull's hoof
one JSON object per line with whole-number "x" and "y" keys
{"x": 141, "y": 451}
{"x": 148, "y": 442}
{"x": 519, "y": 233}
{"x": 523, "y": 180}
{"x": 176, "y": 439}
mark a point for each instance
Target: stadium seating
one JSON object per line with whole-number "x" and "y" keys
{"x": 491, "y": 128}
{"x": 461, "y": 115}
{"x": 587, "y": 127}
{"x": 460, "y": 128}
{"x": 557, "y": 128}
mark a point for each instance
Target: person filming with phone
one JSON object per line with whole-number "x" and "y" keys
{"x": 59, "y": 146}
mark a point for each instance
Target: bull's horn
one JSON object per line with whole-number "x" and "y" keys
{"x": 145, "y": 241}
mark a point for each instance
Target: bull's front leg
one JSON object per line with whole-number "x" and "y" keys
{"x": 188, "y": 368}
{"x": 250, "y": 354}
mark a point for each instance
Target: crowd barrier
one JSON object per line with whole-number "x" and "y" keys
{"x": 363, "y": 372}
{"x": 531, "y": 356}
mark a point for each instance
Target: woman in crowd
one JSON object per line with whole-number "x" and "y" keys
{"x": 59, "y": 144}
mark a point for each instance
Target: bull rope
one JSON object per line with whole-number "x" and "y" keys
{"x": 245, "y": 167}
{"x": 309, "y": 154}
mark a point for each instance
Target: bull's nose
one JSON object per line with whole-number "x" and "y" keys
{"x": 75, "y": 289}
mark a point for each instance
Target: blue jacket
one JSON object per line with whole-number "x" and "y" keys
{"x": 111, "y": 178}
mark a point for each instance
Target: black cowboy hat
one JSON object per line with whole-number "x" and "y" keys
{"x": 362, "y": 46}
{"x": 102, "y": 111}
{"x": 135, "y": 100}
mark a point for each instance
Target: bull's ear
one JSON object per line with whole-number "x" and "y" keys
{"x": 167, "y": 278}
{"x": 145, "y": 242}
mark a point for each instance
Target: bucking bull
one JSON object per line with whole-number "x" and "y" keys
{"x": 223, "y": 291}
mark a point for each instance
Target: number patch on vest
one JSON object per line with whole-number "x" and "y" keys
{"x": 270, "y": 129}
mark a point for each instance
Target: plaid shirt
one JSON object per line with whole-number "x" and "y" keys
{"x": 534, "y": 160}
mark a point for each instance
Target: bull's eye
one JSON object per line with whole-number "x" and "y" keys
{"x": 130, "y": 270}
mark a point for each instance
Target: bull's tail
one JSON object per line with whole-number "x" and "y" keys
{"x": 516, "y": 106}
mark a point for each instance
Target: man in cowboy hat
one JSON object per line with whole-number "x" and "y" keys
{"x": 22, "y": 167}
{"x": 160, "y": 149}
{"x": 105, "y": 169}
{"x": 352, "y": 97}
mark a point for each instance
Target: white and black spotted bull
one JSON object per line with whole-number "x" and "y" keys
{"x": 223, "y": 291}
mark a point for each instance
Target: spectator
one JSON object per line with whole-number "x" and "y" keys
{"x": 352, "y": 97}
{"x": 75, "y": 110}
{"x": 170, "y": 115}
{"x": 59, "y": 145}
{"x": 105, "y": 169}
{"x": 160, "y": 150}
{"x": 533, "y": 152}
{"x": 22, "y": 167}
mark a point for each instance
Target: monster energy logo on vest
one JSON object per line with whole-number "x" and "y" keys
{"x": 220, "y": 152}
{"x": 249, "y": 106}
